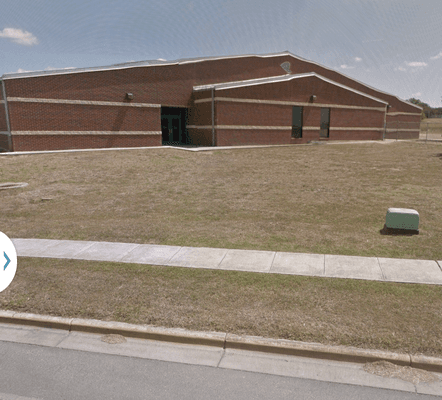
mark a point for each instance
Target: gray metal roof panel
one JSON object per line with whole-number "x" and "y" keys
{"x": 132, "y": 64}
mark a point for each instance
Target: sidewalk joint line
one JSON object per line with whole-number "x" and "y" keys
{"x": 83, "y": 249}
{"x": 173, "y": 255}
{"x": 382, "y": 271}
{"x": 219, "y": 265}
{"x": 221, "y": 358}
{"x": 128, "y": 252}
{"x": 273, "y": 260}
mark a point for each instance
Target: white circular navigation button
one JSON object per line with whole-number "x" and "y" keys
{"x": 8, "y": 261}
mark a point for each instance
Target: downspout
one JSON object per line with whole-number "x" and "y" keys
{"x": 8, "y": 125}
{"x": 213, "y": 115}
{"x": 385, "y": 122}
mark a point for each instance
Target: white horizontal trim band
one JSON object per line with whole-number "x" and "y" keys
{"x": 81, "y": 102}
{"x": 239, "y": 127}
{"x": 290, "y": 103}
{"x": 355, "y": 128}
{"x": 2, "y": 102}
{"x": 404, "y": 113}
{"x": 399, "y": 129}
{"x": 86, "y": 133}
{"x": 304, "y": 128}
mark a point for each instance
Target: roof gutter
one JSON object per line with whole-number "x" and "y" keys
{"x": 8, "y": 125}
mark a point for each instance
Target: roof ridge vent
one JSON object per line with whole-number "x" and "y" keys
{"x": 286, "y": 67}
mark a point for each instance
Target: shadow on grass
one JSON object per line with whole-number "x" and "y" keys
{"x": 398, "y": 232}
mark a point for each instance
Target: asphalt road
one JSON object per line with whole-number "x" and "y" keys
{"x": 44, "y": 372}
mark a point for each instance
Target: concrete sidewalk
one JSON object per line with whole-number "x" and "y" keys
{"x": 332, "y": 266}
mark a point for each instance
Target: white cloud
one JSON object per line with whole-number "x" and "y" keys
{"x": 436, "y": 57}
{"x": 52, "y": 68}
{"x": 358, "y": 59}
{"x": 18, "y": 36}
{"x": 400, "y": 69}
{"x": 416, "y": 64}
{"x": 418, "y": 94}
{"x": 20, "y": 70}
{"x": 345, "y": 66}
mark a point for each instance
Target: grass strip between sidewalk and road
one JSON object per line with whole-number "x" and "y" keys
{"x": 396, "y": 317}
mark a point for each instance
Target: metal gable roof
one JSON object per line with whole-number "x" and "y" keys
{"x": 283, "y": 78}
{"x": 160, "y": 62}
{"x": 136, "y": 64}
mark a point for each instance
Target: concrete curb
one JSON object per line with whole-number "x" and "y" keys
{"x": 223, "y": 340}
{"x": 199, "y": 148}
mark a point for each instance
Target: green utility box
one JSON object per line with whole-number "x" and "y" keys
{"x": 402, "y": 219}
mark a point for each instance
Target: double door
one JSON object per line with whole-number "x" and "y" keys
{"x": 171, "y": 129}
{"x": 173, "y": 125}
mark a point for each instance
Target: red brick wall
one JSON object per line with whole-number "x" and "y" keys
{"x": 200, "y": 137}
{"x": 311, "y": 116}
{"x": 303, "y": 66}
{"x": 172, "y": 86}
{"x": 237, "y": 137}
{"x": 264, "y": 114}
{"x": 416, "y": 119}
{"x": 175, "y": 85}
{"x": 398, "y": 126}
{"x": 300, "y": 90}
{"x": 61, "y": 142}
{"x": 3, "y": 125}
{"x": 355, "y": 135}
{"x": 97, "y": 86}
{"x": 68, "y": 117}
{"x": 229, "y": 113}
{"x": 402, "y": 134}
{"x": 340, "y": 117}
{"x": 201, "y": 114}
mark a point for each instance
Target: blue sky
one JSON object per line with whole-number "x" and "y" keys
{"x": 392, "y": 45}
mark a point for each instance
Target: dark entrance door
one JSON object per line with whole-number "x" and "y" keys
{"x": 325, "y": 123}
{"x": 173, "y": 125}
{"x": 297, "y": 122}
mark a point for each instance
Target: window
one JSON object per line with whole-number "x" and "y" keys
{"x": 297, "y": 122}
{"x": 325, "y": 123}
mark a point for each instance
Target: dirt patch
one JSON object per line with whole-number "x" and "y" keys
{"x": 113, "y": 339}
{"x": 388, "y": 370}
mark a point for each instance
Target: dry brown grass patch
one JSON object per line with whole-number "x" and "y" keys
{"x": 389, "y": 316}
{"x": 319, "y": 199}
